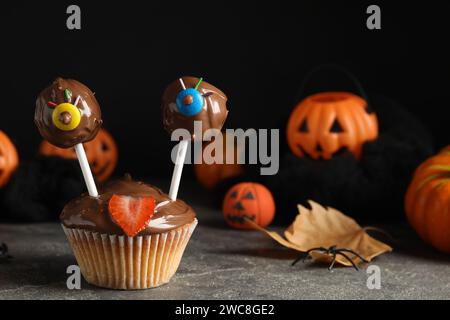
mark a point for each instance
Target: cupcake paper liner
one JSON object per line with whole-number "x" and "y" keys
{"x": 122, "y": 262}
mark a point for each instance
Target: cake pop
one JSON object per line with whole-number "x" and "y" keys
{"x": 190, "y": 99}
{"x": 67, "y": 114}
{"x": 184, "y": 102}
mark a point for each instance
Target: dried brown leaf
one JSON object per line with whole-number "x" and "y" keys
{"x": 326, "y": 227}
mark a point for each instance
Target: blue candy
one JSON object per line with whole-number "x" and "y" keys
{"x": 192, "y": 108}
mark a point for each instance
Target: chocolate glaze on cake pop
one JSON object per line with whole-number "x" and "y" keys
{"x": 212, "y": 110}
{"x": 60, "y": 121}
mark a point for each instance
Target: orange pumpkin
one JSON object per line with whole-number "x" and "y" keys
{"x": 250, "y": 200}
{"x": 427, "y": 201}
{"x": 323, "y": 124}
{"x": 209, "y": 175}
{"x": 9, "y": 159}
{"x": 101, "y": 153}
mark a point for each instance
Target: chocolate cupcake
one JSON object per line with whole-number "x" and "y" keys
{"x": 130, "y": 237}
{"x": 127, "y": 236}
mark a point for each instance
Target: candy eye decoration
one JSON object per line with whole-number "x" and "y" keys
{"x": 189, "y": 101}
{"x": 66, "y": 116}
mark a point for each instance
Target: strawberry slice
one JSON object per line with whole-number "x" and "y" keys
{"x": 130, "y": 213}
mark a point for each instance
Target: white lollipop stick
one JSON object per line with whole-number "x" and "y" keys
{"x": 178, "y": 169}
{"x": 87, "y": 173}
{"x": 85, "y": 168}
{"x": 179, "y": 162}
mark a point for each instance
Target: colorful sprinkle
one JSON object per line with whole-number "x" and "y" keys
{"x": 198, "y": 83}
{"x": 77, "y": 100}
{"x": 51, "y": 104}
{"x": 182, "y": 84}
{"x": 68, "y": 94}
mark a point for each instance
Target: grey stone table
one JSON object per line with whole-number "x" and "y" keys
{"x": 221, "y": 263}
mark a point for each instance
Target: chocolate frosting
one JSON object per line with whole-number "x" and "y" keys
{"x": 212, "y": 115}
{"x": 89, "y": 108}
{"x": 90, "y": 213}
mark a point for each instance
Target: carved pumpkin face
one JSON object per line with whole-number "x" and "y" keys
{"x": 209, "y": 175}
{"x": 325, "y": 123}
{"x": 250, "y": 200}
{"x": 101, "y": 153}
{"x": 9, "y": 159}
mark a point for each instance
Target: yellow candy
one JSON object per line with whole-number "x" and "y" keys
{"x": 75, "y": 116}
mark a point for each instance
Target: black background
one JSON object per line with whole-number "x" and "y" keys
{"x": 257, "y": 53}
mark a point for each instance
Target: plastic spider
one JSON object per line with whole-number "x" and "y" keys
{"x": 4, "y": 252}
{"x": 334, "y": 251}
